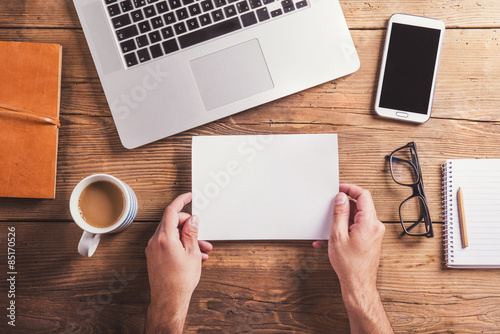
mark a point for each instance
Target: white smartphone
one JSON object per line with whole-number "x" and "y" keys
{"x": 409, "y": 68}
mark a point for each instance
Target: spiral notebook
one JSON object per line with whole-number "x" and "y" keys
{"x": 479, "y": 180}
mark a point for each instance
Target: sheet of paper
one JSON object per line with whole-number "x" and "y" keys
{"x": 264, "y": 187}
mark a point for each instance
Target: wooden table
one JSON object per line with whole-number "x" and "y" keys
{"x": 260, "y": 287}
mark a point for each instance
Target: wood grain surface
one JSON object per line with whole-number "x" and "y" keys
{"x": 260, "y": 287}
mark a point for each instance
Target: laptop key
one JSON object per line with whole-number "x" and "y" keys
{"x": 194, "y": 9}
{"x": 156, "y": 51}
{"x": 131, "y": 59}
{"x": 128, "y": 46}
{"x": 287, "y": 5}
{"x": 267, "y": 2}
{"x": 144, "y": 27}
{"x": 170, "y": 46}
{"x": 192, "y": 23}
{"x": 114, "y": 10}
{"x": 143, "y": 55}
{"x": 276, "y": 12}
{"x": 137, "y": 16}
{"x": 126, "y": 5}
{"x": 207, "y": 5}
{"x": 121, "y": 21}
{"x": 210, "y": 32}
{"x": 154, "y": 36}
{"x": 139, "y": 3}
{"x": 180, "y": 28}
{"x": 230, "y": 11}
{"x": 242, "y": 6}
{"x": 157, "y": 22}
{"x": 169, "y": 18}
{"x": 187, "y": 2}
{"x": 205, "y": 19}
{"x": 217, "y": 15}
{"x": 174, "y": 4}
{"x": 162, "y": 7}
{"x": 108, "y": 2}
{"x": 263, "y": 14}
{"x": 255, "y": 3}
{"x": 182, "y": 14}
{"x": 220, "y": 3}
{"x": 142, "y": 41}
{"x": 301, "y": 4}
{"x": 150, "y": 11}
{"x": 126, "y": 33}
{"x": 167, "y": 32}
{"x": 248, "y": 19}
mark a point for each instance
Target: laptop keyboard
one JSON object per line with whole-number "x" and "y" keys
{"x": 149, "y": 29}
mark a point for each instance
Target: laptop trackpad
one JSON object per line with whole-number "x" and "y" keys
{"x": 231, "y": 74}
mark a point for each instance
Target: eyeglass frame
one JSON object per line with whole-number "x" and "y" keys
{"x": 418, "y": 191}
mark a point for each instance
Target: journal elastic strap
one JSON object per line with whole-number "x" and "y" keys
{"x": 4, "y": 109}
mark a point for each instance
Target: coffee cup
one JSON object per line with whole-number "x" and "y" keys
{"x": 101, "y": 204}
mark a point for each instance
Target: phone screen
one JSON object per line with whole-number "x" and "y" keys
{"x": 409, "y": 70}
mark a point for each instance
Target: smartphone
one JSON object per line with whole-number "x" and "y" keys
{"x": 409, "y": 68}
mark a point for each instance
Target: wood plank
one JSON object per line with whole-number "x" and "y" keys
{"x": 262, "y": 287}
{"x": 359, "y": 14}
{"x": 465, "y": 87}
{"x": 160, "y": 171}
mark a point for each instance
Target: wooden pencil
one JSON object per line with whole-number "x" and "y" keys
{"x": 463, "y": 225}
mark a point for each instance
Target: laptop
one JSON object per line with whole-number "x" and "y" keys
{"x": 167, "y": 66}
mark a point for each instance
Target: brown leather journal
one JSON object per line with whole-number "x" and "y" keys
{"x": 30, "y": 86}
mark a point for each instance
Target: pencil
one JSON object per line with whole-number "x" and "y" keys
{"x": 463, "y": 226}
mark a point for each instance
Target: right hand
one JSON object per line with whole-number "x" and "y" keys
{"x": 355, "y": 239}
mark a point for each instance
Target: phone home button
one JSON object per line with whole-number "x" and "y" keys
{"x": 402, "y": 114}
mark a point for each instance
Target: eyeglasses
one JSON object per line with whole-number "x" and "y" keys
{"x": 413, "y": 211}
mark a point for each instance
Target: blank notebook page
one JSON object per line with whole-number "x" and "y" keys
{"x": 265, "y": 187}
{"x": 480, "y": 183}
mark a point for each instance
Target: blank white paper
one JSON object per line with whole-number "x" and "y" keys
{"x": 264, "y": 187}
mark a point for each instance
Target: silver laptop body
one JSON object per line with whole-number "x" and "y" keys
{"x": 216, "y": 76}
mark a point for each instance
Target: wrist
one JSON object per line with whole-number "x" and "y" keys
{"x": 360, "y": 296}
{"x": 165, "y": 319}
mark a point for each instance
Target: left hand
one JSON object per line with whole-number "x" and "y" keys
{"x": 174, "y": 256}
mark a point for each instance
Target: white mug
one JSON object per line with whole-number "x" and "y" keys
{"x": 91, "y": 235}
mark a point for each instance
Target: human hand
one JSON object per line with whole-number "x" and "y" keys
{"x": 355, "y": 239}
{"x": 354, "y": 251}
{"x": 174, "y": 256}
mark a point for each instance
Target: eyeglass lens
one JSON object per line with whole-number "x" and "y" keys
{"x": 413, "y": 211}
{"x": 403, "y": 167}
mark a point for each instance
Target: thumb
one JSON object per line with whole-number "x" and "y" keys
{"x": 341, "y": 211}
{"x": 190, "y": 234}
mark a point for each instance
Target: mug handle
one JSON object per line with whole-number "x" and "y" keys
{"x": 88, "y": 243}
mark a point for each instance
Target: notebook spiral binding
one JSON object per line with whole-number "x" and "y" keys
{"x": 448, "y": 211}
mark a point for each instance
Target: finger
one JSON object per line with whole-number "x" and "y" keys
{"x": 204, "y": 256}
{"x": 320, "y": 244}
{"x": 364, "y": 201}
{"x": 189, "y": 235}
{"x": 353, "y": 210}
{"x": 170, "y": 219}
{"x": 183, "y": 217}
{"x": 341, "y": 212}
{"x": 205, "y": 246}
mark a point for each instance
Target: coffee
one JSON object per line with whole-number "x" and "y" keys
{"x": 101, "y": 204}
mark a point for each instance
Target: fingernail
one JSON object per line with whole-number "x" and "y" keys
{"x": 195, "y": 221}
{"x": 340, "y": 198}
